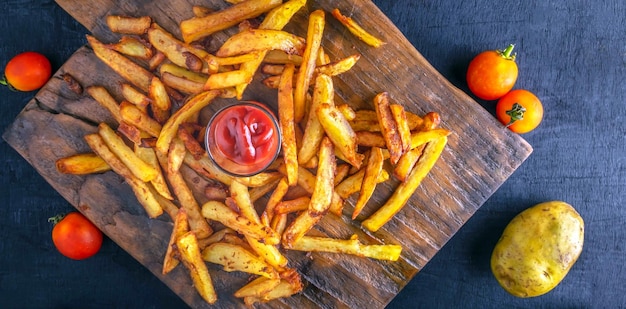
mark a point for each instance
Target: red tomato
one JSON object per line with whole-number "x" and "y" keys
{"x": 520, "y": 110}
{"x": 27, "y": 71}
{"x": 76, "y": 237}
{"x": 493, "y": 73}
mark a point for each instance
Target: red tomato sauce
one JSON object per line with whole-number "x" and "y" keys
{"x": 243, "y": 139}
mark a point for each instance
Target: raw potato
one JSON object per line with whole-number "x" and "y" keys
{"x": 538, "y": 248}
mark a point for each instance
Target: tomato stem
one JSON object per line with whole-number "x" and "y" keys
{"x": 56, "y": 219}
{"x": 507, "y": 53}
{"x": 3, "y": 81}
{"x": 516, "y": 113}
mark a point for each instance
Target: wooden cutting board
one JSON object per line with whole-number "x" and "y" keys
{"x": 480, "y": 156}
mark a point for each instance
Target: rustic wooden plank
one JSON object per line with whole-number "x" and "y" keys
{"x": 480, "y": 156}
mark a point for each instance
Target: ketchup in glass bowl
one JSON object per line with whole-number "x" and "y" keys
{"x": 243, "y": 139}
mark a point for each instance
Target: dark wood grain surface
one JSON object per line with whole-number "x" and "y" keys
{"x": 570, "y": 53}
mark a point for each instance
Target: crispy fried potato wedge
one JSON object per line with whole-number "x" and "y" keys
{"x": 148, "y": 155}
{"x": 199, "y": 27}
{"x": 136, "y": 97}
{"x": 285, "y": 288}
{"x": 255, "y": 40}
{"x": 236, "y": 258}
{"x": 295, "y": 205}
{"x": 217, "y": 211}
{"x": 191, "y": 107}
{"x": 366, "y": 120}
{"x": 399, "y": 115}
{"x": 403, "y": 192}
{"x": 348, "y": 246}
{"x": 287, "y": 124}
{"x": 133, "y": 115}
{"x": 353, "y": 183}
{"x": 388, "y": 126}
{"x": 338, "y": 67}
{"x": 357, "y": 30}
{"x": 423, "y": 137}
{"x": 370, "y": 179}
{"x": 131, "y": 47}
{"x": 128, "y": 24}
{"x": 257, "y": 287}
{"x": 323, "y": 92}
{"x": 142, "y": 190}
{"x": 315, "y": 32}
{"x": 181, "y": 227}
{"x": 138, "y": 167}
{"x": 106, "y": 100}
{"x": 227, "y": 79}
{"x": 82, "y": 164}
{"x": 126, "y": 68}
{"x": 338, "y": 129}
{"x": 192, "y": 259}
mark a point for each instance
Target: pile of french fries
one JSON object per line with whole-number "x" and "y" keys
{"x": 330, "y": 151}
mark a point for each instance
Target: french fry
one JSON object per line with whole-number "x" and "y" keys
{"x": 295, "y": 205}
{"x": 338, "y": 67}
{"x": 176, "y": 155}
{"x": 255, "y": 40}
{"x": 257, "y": 192}
{"x": 236, "y": 258}
{"x": 342, "y": 172}
{"x": 142, "y": 190}
{"x": 178, "y": 52}
{"x": 82, "y": 164}
{"x": 357, "y": 30}
{"x": 131, "y": 132}
{"x": 353, "y": 183}
{"x": 423, "y": 137}
{"x": 168, "y": 206}
{"x": 192, "y": 259}
{"x": 372, "y": 172}
{"x": 106, "y": 100}
{"x": 370, "y": 139}
{"x": 132, "y": 47}
{"x": 181, "y": 227}
{"x": 287, "y": 124}
{"x": 285, "y": 288}
{"x": 182, "y": 84}
{"x": 133, "y": 115}
{"x": 148, "y": 155}
{"x": 194, "y": 105}
{"x": 138, "y": 167}
{"x": 126, "y": 68}
{"x": 323, "y": 92}
{"x": 315, "y": 31}
{"x": 191, "y": 143}
{"x": 339, "y": 131}
{"x": 217, "y": 211}
{"x": 206, "y": 168}
{"x": 399, "y": 115}
{"x": 349, "y": 246}
{"x": 389, "y": 128}
{"x": 160, "y": 99}
{"x": 406, "y": 163}
{"x": 279, "y": 192}
{"x": 403, "y": 192}
{"x": 257, "y": 287}
{"x": 280, "y": 57}
{"x": 128, "y": 24}
{"x": 134, "y": 96}
{"x": 366, "y": 120}
{"x": 226, "y": 79}
{"x": 197, "y": 28}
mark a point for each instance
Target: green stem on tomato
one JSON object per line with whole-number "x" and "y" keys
{"x": 516, "y": 113}
{"x": 507, "y": 53}
{"x": 4, "y": 82}
{"x": 56, "y": 219}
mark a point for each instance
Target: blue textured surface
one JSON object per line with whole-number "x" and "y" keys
{"x": 572, "y": 54}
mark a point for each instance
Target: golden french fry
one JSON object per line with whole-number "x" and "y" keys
{"x": 191, "y": 143}
{"x": 348, "y": 246}
{"x": 82, "y": 164}
{"x": 257, "y": 192}
{"x": 131, "y": 114}
{"x": 323, "y": 92}
{"x": 136, "y": 97}
{"x": 346, "y": 111}
{"x": 338, "y": 67}
{"x": 236, "y": 258}
{"x": 273, "y": 69}
{"x": 352, "y": 183}
{"x": 182, "y": 84}
{"x": 399, "y": 115}
{"x": 131, "y": 132}
{"x": 280, "y": 57}
{"x": 370, "y": 139}
{"x": 178, "y": 52}
{"x": 287, "y": 124}
{"x": 357, "y": 30}
{"x": 217, "y": 211}
{"x": 159, "y": 97}
{"x": 206, "y": 168}
{"x": 372, "y": 172}
{"x": 181, "y": 227}
{"x": 227, "y": 79}
{"x": 285, "y": 288}
{"x": 157, "y": 59}
{"x": 106, "y": 100}
{"x": 295, "y": 205}
{"x": 403, "y": 192}
{"x": 257, "y": 287}
{"x": 142, "y": 190}
{"x": 342, "y": 172}
{"x": 126, "y": 68}
{"x": 176, "y": 155}
{"x": 339, "y": 131}
{"x": 199, "y": 27}
{"x": 315, "y": 32}
{"x": 279, "y": 192}
{"x": 423, "y": 137}
{"x": 406, "y": 163}
{"x": 366, "y": 120}
{"x": 128, "y": 24}
{"x": 138, "y": 167}
{"x": 388, "y": 126}
{"x": 191, "y": 107}
{"x": 218, "y": 236}
{"x": 132, "y": 47}
{"x": 192, "y": 259}
{"x": 148, "y": 155}
{"x": 255, "y": 40}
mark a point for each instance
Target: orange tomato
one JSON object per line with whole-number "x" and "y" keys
{"x": 493, "y": 73}
{"x": 27, "y": 71}
{"x": 520, "y": 110}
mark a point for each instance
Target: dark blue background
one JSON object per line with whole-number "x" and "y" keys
{"x": 572, "y": 54}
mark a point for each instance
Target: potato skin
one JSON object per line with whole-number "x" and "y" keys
{"x": 538, "y": 248}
